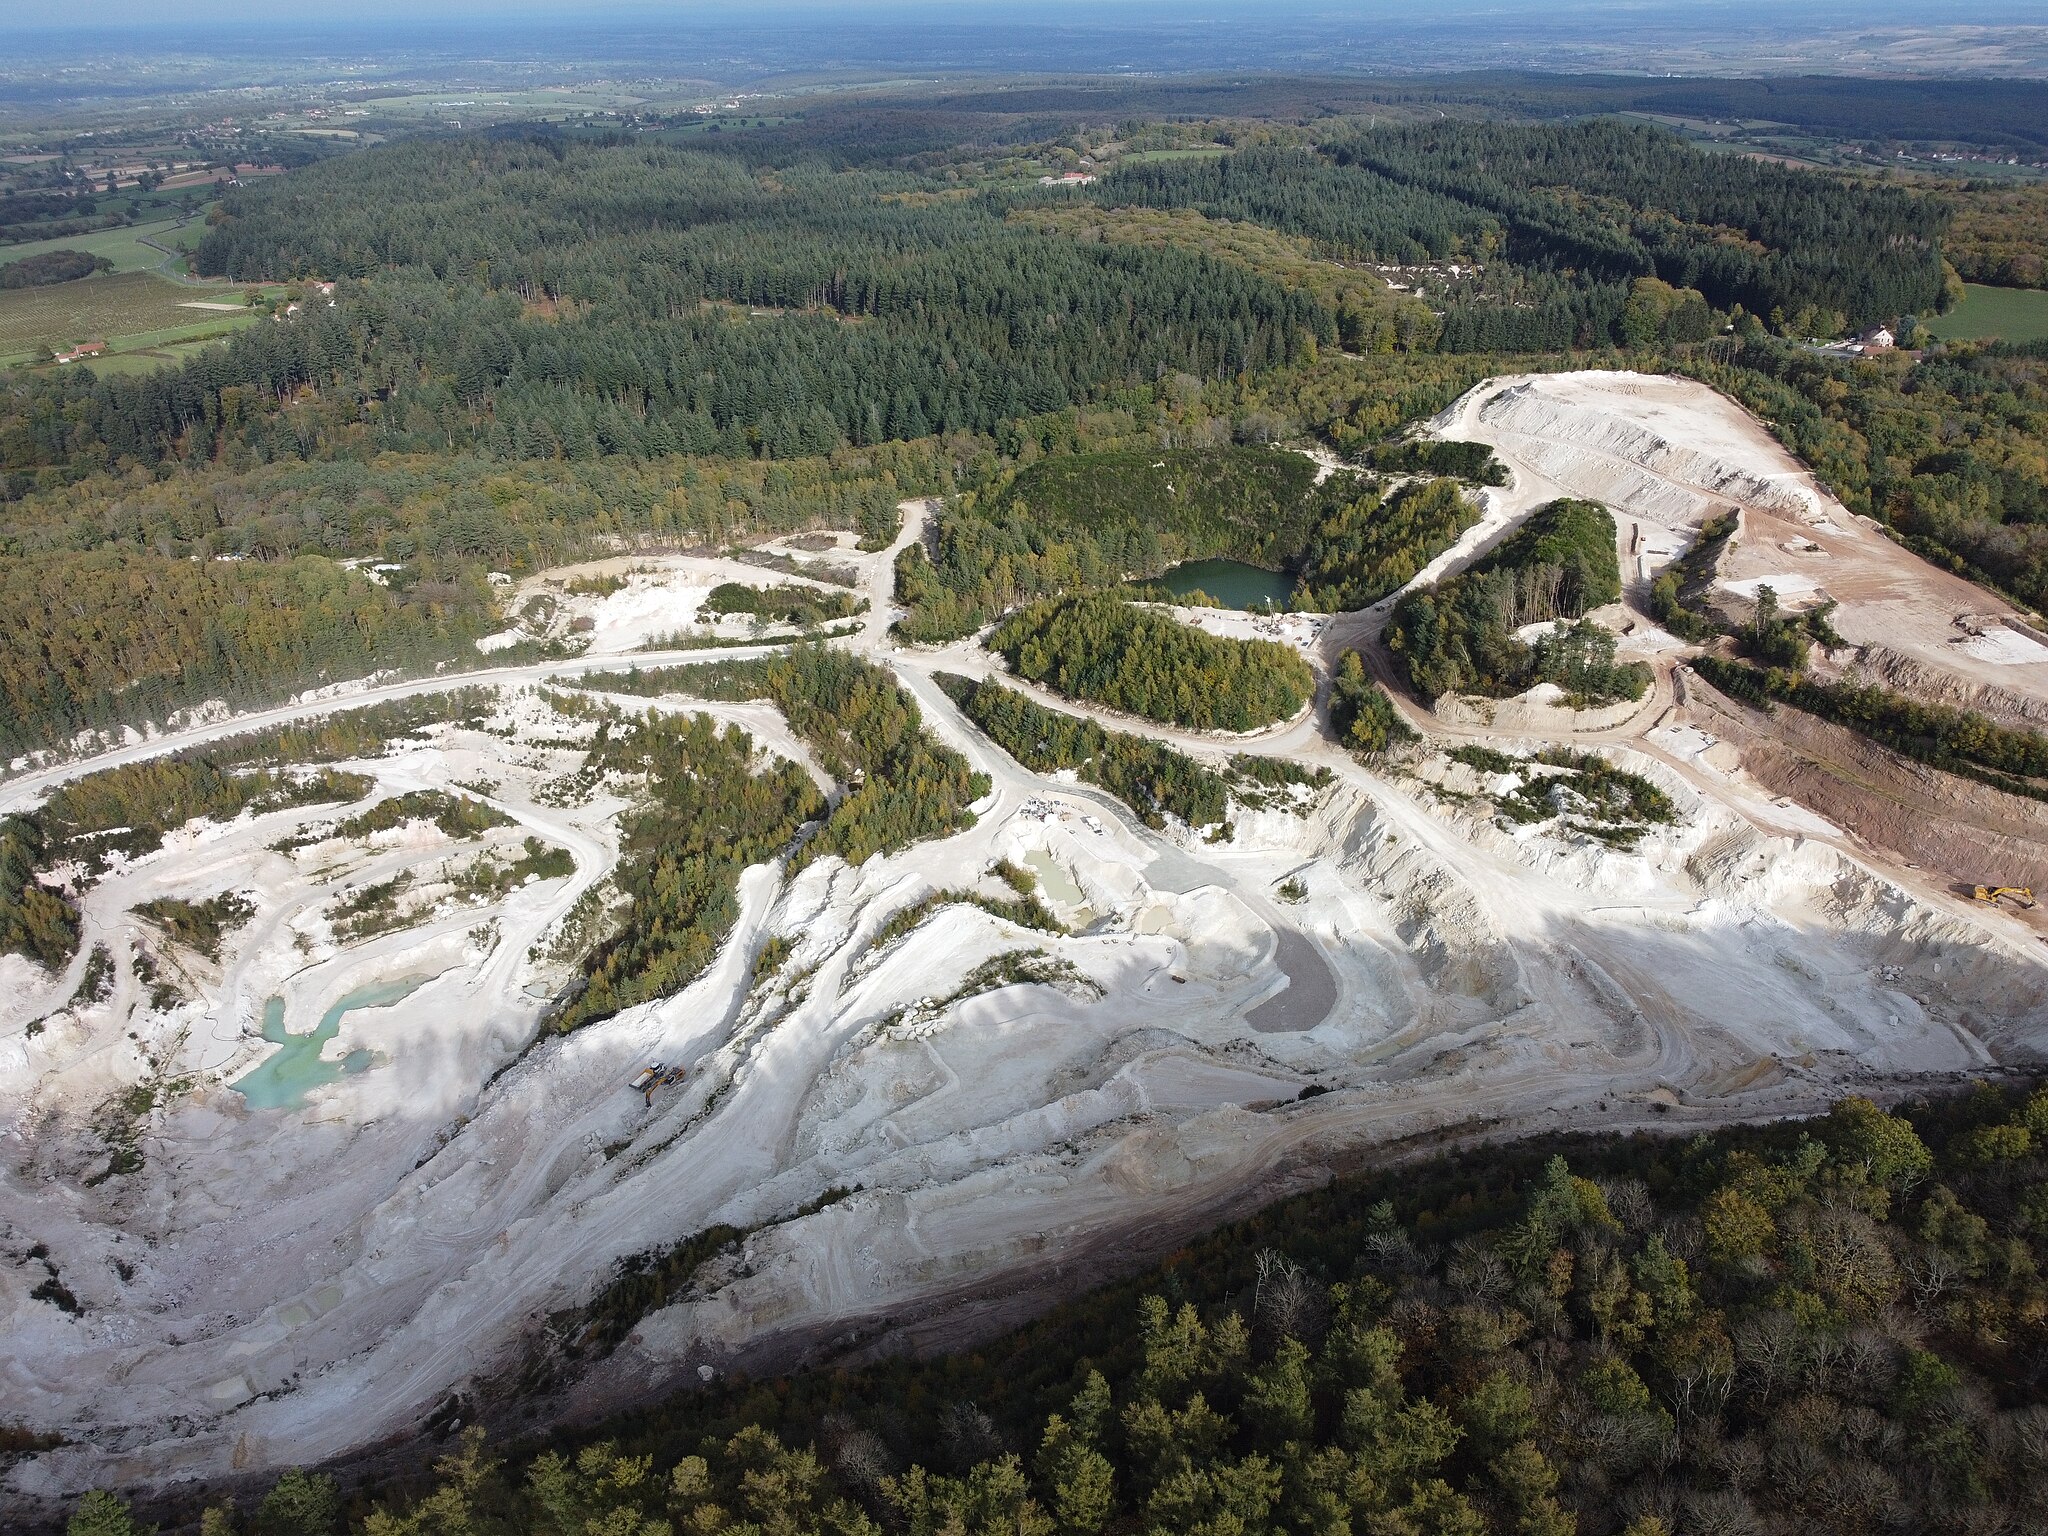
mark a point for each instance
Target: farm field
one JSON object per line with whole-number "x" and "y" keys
{"x": 699, "y": 127}
{"x": 147, "y": 351}
{"x": 123, "y": 247}
{"x": 2010, "y": 314}
{"x": 131, "y": 307}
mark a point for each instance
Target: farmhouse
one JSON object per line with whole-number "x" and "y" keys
{"x": 1069, "y": 179}
{"x": 1878, "y": 338}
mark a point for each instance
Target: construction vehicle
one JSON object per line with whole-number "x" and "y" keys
{"x": 2020, "y": 894}
{"x": 671, "y": 1075}
{"x": 655, "y": 1075}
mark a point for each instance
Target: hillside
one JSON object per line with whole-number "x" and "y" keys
{"x": 1832, "y": 1325}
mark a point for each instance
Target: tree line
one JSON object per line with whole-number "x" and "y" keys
{"x": 1959, "y": 740}
{"x": 1153, "y": 779}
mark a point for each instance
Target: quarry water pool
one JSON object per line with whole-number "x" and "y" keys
{"x": 1061, "y": 886}
{"x": 1231, "y": 582}
{"x": 283, "y": 1078}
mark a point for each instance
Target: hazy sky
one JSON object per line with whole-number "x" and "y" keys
{"x": 155, "y": 15}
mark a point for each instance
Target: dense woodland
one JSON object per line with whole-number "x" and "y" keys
{"x": 1089, "y": 521}
{"x": 1372, "y": 545}
{"x": 1617, "y": 201}
{"x": 1371, "y": 316}
{"x": 1142, "y": 661}
{"x": 103, "y": 638}
{"x": 1095, "y": 521}
{"x": 536, "y": 343}
{"x": 122, "y": 599}
{"x": 546, "y": 297}
{"x": 1458, "y": 636}
{"x": 1832, "y": 1326}
{"x": 1605, "y": 202}
{"x": 542, "y": 299}
{"x": 2000, "y": 233}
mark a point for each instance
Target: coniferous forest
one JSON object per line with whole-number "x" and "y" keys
{"x": 602, "y": 337}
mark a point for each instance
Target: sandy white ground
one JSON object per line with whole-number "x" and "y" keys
{"x": 640, "y": 602}
{"x": 1667, "y": 453}
{"x": 283, "y": 1286}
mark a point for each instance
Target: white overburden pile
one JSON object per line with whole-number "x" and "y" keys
{"x": 1667, "y": 449}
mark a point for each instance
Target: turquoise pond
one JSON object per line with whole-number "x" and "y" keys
{"x": 1231, "y": 582}
{"x": 283, "y": 1078}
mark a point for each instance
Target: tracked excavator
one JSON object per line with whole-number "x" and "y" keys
{"x": 2018, "y": 895}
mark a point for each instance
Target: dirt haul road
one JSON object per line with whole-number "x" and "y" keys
{"x": 276, "y": 1286}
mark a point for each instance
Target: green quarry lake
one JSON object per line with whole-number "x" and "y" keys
{"x": 283, "y": 1078}
{"x": 1231, "y": 582}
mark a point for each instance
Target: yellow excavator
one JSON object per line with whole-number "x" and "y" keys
{"x": 2018, "y": 894}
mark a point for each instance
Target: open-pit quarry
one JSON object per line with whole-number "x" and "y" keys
{"x": 925, "y": 1130}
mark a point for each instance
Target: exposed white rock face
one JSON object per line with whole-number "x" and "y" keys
{"x": 278, "y": 1286}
